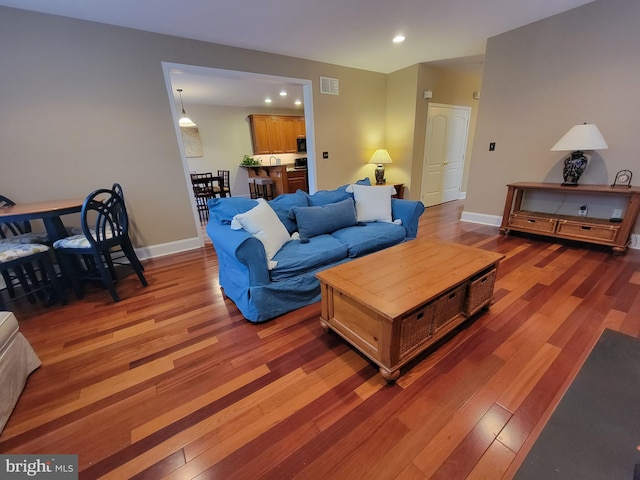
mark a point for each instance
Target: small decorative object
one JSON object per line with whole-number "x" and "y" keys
{"x": 578, "y": 138}
{"x": 623, "y": 177}
{"x": 380, "y": 156}
{"x": 248, "y": 161}
{"x": 191, "y": 142}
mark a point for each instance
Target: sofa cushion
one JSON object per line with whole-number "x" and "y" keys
{"x": 282, "y": 205}
{"x": 313, "y": 221}
{"x": 373, "y": 204}
{"x": 370, "y": 237}
{"x": 263, "y": 223}
{"x": 222, "y": 210}
{"x": 296, "y": 258}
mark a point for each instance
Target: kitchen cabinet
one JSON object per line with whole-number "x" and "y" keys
{"x": 297, "y": 180}
{"x": 276, "y": 133}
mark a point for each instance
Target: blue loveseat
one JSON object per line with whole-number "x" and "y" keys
{"x": 320, "y": 242}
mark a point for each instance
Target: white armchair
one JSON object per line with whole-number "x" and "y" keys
{"x": 17, "y": 361}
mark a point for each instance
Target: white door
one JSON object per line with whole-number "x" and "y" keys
{"x": 444, "y": 150}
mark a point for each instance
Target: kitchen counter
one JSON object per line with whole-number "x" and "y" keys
{"x": 286, "y": 178}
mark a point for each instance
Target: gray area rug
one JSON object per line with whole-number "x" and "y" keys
{"x": 594, "y": 432}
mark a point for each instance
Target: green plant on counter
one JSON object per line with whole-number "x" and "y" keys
{"x": 250, "y": 161}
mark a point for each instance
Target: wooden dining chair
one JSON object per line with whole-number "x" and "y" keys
{"x": 105, "y": 231}
{"x": 226, "y": 186}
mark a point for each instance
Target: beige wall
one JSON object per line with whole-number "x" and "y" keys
{"x": 450, "y": 87}
{"x": 401, "y": 116}
{"x": 86, "y": 104}
{"x": 540, "y": 80}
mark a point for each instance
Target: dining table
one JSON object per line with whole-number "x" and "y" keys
{"x": 49, "y": 211}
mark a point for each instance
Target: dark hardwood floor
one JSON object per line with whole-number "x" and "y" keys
{"x": 172, "y": 382}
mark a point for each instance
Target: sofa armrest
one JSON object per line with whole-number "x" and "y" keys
{"x": 409, "y": 212}
{"x": 240, "y": 254}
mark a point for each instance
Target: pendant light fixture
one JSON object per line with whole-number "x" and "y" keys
{"x": 184, "y": 120}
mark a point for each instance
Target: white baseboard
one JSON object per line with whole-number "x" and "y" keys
{"x": 481, "y": 218}
{"x": 169, "y": 248}
{"x": 496, "y": 221}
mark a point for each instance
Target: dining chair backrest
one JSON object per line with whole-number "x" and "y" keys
{"x": 202, "y": 183}
{"x": 225, "y": 175}
{"x": 117, "y": 188}
{"x": 11, "y": 229}
{"x": 103, "y": 218}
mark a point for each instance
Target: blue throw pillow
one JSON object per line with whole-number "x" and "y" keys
{"x": 224, "y": 209}
{"x": 282, "y": 205}
{"x": 324, "y": 197}
{"x": 317, "y": 220}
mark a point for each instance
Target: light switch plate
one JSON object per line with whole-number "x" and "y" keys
{"x": 617, "y": 213}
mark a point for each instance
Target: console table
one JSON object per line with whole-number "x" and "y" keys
{"x": 595, "y": 230}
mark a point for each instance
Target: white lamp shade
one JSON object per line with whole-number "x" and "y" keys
{"x": 581, "y": 137}
{"x": 380, "y": 156}
{"x": 186, "y": 122}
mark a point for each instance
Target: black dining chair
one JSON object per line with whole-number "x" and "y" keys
{"x": 19, "y": 232}
{"x": 105, "y": 231}
{"x": 226, "y": 187}
{"x": 205, "y": 187}
{"x": 21, "y": 274}
{"x": 27, "y": 269}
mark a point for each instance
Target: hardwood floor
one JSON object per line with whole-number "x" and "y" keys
{"x": 172, "y": 382}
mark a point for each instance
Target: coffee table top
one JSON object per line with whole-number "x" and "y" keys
{"x": 398, "y": 279}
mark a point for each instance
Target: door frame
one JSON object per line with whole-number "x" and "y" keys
{"x": 466, "y": 108}
{"x": 307, "y": 95}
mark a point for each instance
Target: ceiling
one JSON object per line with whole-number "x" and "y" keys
{"x": 352, "y": 33}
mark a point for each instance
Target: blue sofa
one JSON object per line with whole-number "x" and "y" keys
{"x": 262, "y": 294}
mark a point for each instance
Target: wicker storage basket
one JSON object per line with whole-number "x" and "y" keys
{"x": 448, "y": 306}
{"x": 416, "y": 329}
{"x": 529, "y": 221}
{"x": 480, "y": 292}
{"x": 588, "y": 230}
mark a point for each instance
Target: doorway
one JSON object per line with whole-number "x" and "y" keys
{"x": 444, "y": 152}
{"x": 235, "y": 90}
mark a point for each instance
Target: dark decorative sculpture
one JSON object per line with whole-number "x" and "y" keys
{"x": 573, "y": 168}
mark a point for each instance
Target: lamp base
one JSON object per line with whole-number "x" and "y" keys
{"x": 380, "y": 180}
{"x": 573, "y": 168}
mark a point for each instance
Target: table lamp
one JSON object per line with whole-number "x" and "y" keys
{"x": 577, "y": 139}
{"x": 380, "y": 156}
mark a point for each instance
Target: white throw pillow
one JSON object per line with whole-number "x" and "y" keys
{"x": 373, "y": 204}
{"x": 263, "y": 223}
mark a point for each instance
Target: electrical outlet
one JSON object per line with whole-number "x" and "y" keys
{"x": 325, "y": 154}
{"x": 492, "y": 146}
{"x": 617, "y": 213}
{"x": 582, "y": 211}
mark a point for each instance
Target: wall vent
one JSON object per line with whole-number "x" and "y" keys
{"x": 330, "y": 86}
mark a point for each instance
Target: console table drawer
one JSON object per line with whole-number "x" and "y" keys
{"x": 586, "y": 230}
{"x": 533, "y": 223}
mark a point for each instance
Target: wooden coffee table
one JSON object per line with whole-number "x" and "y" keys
{"x": 393, "y": 304}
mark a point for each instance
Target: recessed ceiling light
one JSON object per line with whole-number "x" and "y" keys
{"x": 267, "y": 100}
{"x": 283, "y": 93}
{"x": 398, "y": 38}
{"x": 298, "y": 102}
